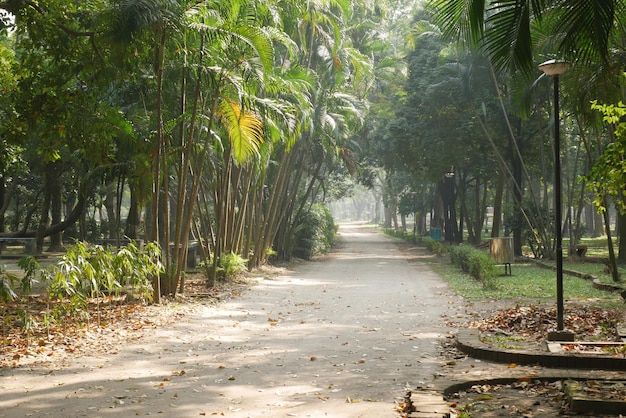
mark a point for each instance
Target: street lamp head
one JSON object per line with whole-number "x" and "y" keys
{"x": 554, "y": 67}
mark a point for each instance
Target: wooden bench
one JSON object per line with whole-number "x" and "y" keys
{"x": 193, "y": 250}
{"x": 29, "y": 243}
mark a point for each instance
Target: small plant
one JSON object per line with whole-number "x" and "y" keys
{"x": 137, "y": 268}
{"x": 228, "y": 266}
{"x": 7, "y": 294}
{"x": 92, "y": 271}
{"x": 465, "y": 412}
{"x": 231, "y": 265}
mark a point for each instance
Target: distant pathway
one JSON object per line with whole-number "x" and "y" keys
{"x": 340, "y": 337}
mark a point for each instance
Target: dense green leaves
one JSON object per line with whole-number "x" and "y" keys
{"x": 608, "y": 175}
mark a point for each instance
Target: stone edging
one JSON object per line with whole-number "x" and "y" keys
{"x": 468, "y": 341}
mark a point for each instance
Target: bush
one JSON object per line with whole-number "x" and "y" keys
{"x": 315, "y": 232}
{"x": 478, "y": 264}
{"x": 459, "y": 256}
{"x": 434, "y": 246}
{"x": 93, "y": 271}
{"x": 231, "y": 265}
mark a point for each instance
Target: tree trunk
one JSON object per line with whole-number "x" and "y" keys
{"x": 437, "y": 219}
{"x": 2, "y": 200}
{"x": 517, "y": 202}
{"x": 598, "y": 223}
{"x": 451, "y": 229}
{"x": 111, "y": 209}
{"x": 497, "y": 205}
{"x": 56, "y": 212}
{"x": 133, "y": 220}
{"x": 612, "y": 265}
{"x": 496, "y": 225}
{"x": 44, "y": 218}
{"x": 387, "y": 214}
{"x": 621, "y": 228}
{"x": 589, "y": 212}
{"x": 2, "y": 207}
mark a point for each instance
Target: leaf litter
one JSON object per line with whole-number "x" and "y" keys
{"x": 530, "y": 396}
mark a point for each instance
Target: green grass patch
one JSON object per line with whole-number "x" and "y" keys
{"x": 505, "y": 341}
{"x": 528, "y": 281}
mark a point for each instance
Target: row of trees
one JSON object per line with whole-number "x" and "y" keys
{"x": 471, "y": 124}
{"x": 225, "y": 121}
{"x": 222, "y": 121}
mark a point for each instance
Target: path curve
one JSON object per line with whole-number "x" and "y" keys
{"x": 340, "y": 337}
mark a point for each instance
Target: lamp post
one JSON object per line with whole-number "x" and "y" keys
{"x": 555, "y": 68}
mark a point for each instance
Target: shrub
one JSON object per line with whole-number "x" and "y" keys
{"x": 92, "y": 271}
{"x": 315, "y": 232}
{"x": 482, "y": 268}
{"x": 6, "y": 286}
{"x": 478, "y": 264}
{"x": 435, "y": 246}
{"x": 8, "y": 281}
{"x": 459, "y": 255}
{"x": 230, "y": 265}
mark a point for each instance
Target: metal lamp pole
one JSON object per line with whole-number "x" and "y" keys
{"x": 555, "y": 68}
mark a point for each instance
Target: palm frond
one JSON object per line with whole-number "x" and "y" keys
{"x": 245, "y": 130}
{"x": 586, "y": 27}
{"x": 460, "y": 20}
{"x": 507, "y": 38}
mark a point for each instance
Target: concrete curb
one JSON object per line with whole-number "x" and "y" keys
{"x": 468, "y": 341}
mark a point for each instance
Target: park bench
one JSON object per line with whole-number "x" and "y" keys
{"x": 29, "y": 243}
{"x": 118, "y": 243}
{"x": 193, "y": 250}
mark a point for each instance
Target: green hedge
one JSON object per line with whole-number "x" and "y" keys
{"x": 435, "y": 246}
{"x": 475, "y": 262}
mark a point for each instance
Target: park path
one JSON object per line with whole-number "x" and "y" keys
{"x": 339, "y": 337}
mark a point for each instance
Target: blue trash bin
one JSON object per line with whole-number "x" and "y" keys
{"x": 435, "y": 233}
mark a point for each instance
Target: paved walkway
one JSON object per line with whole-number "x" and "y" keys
{"x": 341, "y": 337}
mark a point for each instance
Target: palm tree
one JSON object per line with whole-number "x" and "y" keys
{"x": 580, "y": 30}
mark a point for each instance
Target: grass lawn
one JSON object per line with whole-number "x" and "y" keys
{"x": 527, "y": 282}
